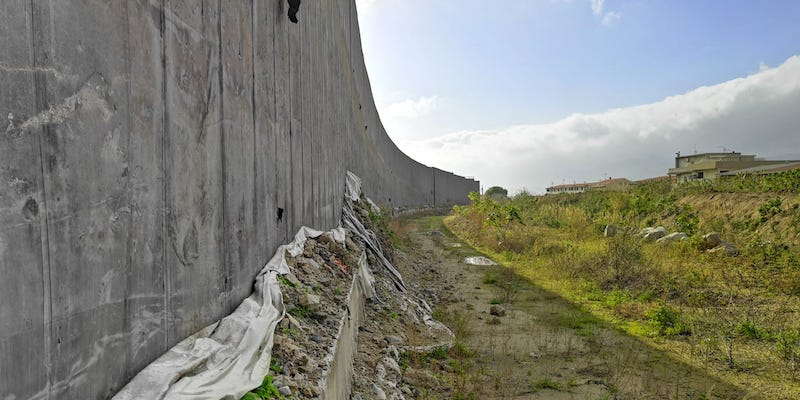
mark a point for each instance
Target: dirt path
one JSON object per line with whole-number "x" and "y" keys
{"x": 542, "y": 348}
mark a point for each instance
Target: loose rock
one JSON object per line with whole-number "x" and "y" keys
{"x": 652, "y": 234}
{"x": 724, "y": 248}
{"x": 392, "y": 339}
{"x": 479, "y": 260}
{"x": 497, "y": 311}
{"x": 672, "y": 237}
{"x": 711, "y": 240}
{"x": 309, "y": 300}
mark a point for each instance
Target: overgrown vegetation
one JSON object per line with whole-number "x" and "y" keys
{"x": 266, "y": 391}
{"x": 738, "y": 316}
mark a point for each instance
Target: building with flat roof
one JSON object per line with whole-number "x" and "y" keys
{"x": 713, "y": 165}
{"x": 765, "y": 169}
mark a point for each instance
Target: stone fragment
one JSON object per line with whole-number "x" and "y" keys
{"x": 351, "y": 245}
{"x": 479, "y": 260}
{"x": 711, "y": 240}
{"x": 310, "y": 300}
{"x": 309, "y": 248}
{"x": 310, "y": 391}
{"x": 726, "y": 249}
{"x": 497, "y": 311}
{"x": 326, "y": 240}
{"x": 379, "y": 393}
{"x": 392, "y": 365}
{"x": 610, "y": 231}
{"x": 292, "y": 278}
{"x": 392, "y": 349}
{"x": 652, "y": 234}
{"x": 393, "y": 339}
{"x": 672, "y": 237}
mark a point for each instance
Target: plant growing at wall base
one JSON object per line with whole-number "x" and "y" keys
{"x": 266, "y": 391}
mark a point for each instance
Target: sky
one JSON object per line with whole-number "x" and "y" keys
{"x": 528, "y": 93}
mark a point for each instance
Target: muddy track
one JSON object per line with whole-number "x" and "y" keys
{"x": 535, "y": 346}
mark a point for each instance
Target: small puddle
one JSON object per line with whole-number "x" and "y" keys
{"x": 479, "y": 260}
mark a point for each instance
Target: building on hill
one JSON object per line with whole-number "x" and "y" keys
{"x": 712, "y": 165}
{"x": 568, "y": 188}
{"x": 612, "y": 185}
{"x": 765, "y": 169}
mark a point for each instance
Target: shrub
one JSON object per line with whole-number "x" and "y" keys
{"x": 788, "y": 349}
{"x": 622, "y": 264}
{"x": 687, "y": 221}
{"x": 750, "y": 329}
{"x": 770, "y": 209}
{"x": 667, "y": 320}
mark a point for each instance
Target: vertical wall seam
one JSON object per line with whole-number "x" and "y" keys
{"x": 253, "y": 113}
{"x": 433, "y": 170}
{"x": 40, "y": 99}
{"x": 130, "y": 190}
{"x": 274, "y": 122}
{"x": 165, "y": 129}
{"x": 303, "y": 126}
{"x": 224, "y": 161}
{"x": 290, "y": 183}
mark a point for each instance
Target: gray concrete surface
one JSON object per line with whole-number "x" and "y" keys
{"x": 153, "y": 154}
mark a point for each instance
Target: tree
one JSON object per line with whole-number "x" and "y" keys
{"x": 496, "y": 191}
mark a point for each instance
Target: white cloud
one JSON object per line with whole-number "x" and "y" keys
{"x": 597, "y": 7}
{"x": 407, "y": 115}
{"x": 410, "y": 108}
{"x": 755, "y": 114}
{"x": 606, "y": 18}
{"x": 610, "y": 18}
{"x": 763, "y": 66}
{"x": 363, "y": 4}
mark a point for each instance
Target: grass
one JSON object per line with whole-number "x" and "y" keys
{"x": 720, "y": 313}
{"x": 567, "y": 343}
{"x": 300, "y": 311}
{"x": 546, "y": 383}
{"x": 282, "y": 279}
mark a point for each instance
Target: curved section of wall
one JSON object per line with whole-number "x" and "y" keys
{"x": 153, "y": 154}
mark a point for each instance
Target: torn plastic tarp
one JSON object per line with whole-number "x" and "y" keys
{"x": 228, "y": 358}
{"x": 351, "y": 222}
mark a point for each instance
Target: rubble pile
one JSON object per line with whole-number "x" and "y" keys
{"x": 315, "y": 295}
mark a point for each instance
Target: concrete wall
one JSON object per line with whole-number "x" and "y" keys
{"x": 153, "y": 154}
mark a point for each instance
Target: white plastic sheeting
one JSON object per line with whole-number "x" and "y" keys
{"x": 226, "y": 359}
